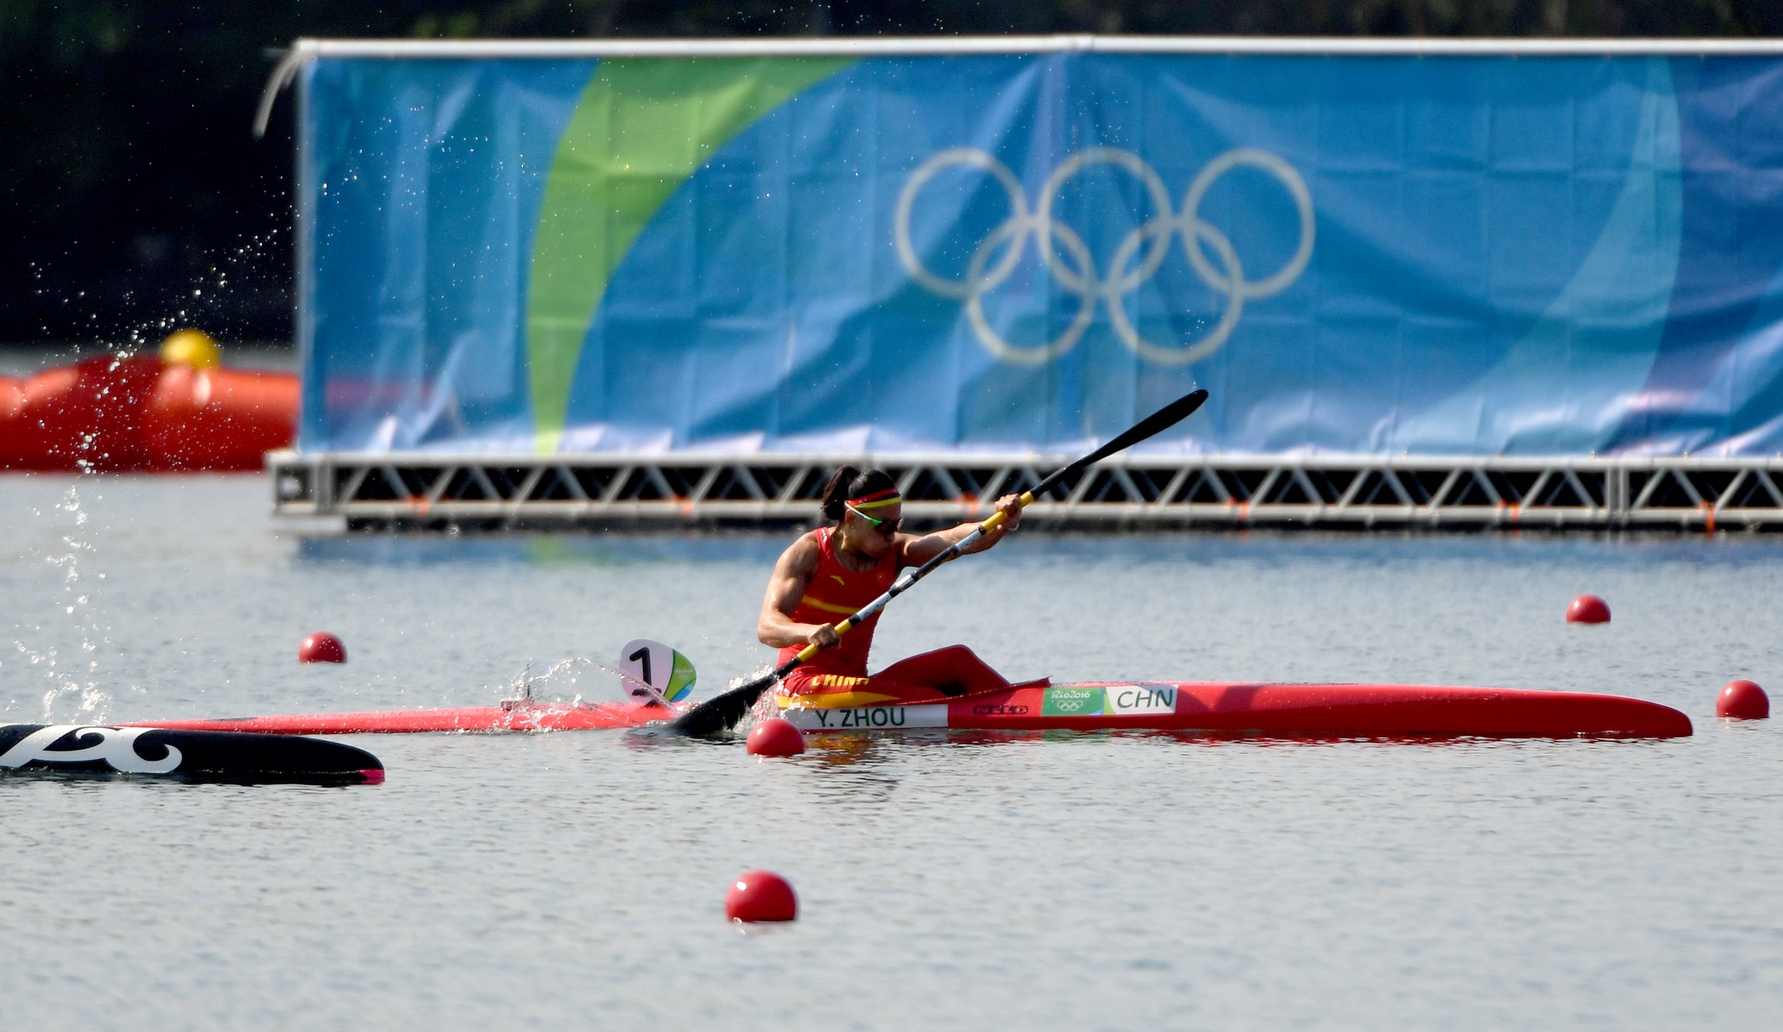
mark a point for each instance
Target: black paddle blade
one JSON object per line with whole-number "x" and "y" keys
{"x": 721, "y": 712}
{"x": 1150, "y": 426}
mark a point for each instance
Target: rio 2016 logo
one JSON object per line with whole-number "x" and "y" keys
{"x": 1001, "y": 250}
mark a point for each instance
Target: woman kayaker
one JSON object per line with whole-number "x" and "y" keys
{"x": 833, "y": 571}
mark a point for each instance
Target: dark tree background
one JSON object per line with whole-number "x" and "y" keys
{"x": 136, "y": 197}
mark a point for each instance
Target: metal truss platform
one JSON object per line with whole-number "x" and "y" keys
{"x": 418, "y": 491}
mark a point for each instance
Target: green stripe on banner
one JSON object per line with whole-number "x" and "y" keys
{"x": 640, "y": 130}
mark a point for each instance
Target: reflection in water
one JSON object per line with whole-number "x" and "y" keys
{"x": 862, "y": 766}
{"x": 851, "y": 769}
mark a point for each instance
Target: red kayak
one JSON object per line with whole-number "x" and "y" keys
{"x": 584, "y": 716}
{"x": 1250, "y": 708}
{"x": 1279, "y": 710}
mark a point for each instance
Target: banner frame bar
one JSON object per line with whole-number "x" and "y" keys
{"x": 1366, "y": 491}
{"x": 953, "y": 46}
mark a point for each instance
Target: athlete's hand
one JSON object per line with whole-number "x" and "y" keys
{"x": 1011, "y": 508}
{"x": 824, "y": 636}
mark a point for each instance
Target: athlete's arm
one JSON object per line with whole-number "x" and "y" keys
{"x": 792, "y": 574}
{"x": 919, "y": 550}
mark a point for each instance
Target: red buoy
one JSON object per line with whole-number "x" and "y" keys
{"x": 1588, "y": 609}
{"x": 1743, "y": 700}
{"x": 775, "y": 737}
{"x": 321, "y": 647}
{"x": 760, "y": 896}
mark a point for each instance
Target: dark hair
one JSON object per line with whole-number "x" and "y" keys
{"x": 848, "y": 482}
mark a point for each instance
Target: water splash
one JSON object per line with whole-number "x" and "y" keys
{"x": 524, "y": 687}
{"x": 73, "y": 694}
{"x": 234, "y": 280}
{"x": 552, "y": 687}
{"x": 764, "y": 707}
{"x": 238, "y": 290}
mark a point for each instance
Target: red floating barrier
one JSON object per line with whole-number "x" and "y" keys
{"x": 321, "y": 647}
{"x": 1588, "y": 609}
{"x": 83, "y": 416}
{"x": 218, "y": 419}
{"x": 146, "y": 412}
{"x": 1743, "y": 700}
{"x": 12, "y": 399}
{"x": 775, "y": 737}
{"x": 760, "y": 896}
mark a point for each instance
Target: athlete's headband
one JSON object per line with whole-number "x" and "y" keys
{"x": 877, "y": 500}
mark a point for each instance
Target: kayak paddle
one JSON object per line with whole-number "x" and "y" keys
{"x": 723, "y": 711}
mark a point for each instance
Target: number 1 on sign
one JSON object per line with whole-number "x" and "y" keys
{"x": 656, "y": 672}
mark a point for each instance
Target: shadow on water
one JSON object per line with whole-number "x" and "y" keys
{"x": 99, "y": 779}
{"x": 659, "y": 736}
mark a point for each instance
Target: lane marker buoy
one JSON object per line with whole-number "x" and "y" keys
{"x": 321, "y": 647}
{"x": 775, "y": 737}
{"x": 760, "y": 896}
{"x": 1588, "y": 609}
{"x": 1742, "y": 700}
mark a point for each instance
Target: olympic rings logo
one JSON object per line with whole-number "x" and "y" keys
{"x": 1079, "y": 274}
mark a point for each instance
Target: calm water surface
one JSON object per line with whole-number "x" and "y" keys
{"x": 1069, "y": 882}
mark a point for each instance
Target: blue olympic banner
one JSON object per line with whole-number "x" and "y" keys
{"x": 1355, "y": 254}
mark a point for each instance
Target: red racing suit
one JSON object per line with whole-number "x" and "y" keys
{"x": 831, "y": 595}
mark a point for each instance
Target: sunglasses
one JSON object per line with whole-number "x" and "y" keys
{"x": 886, "y": 527}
